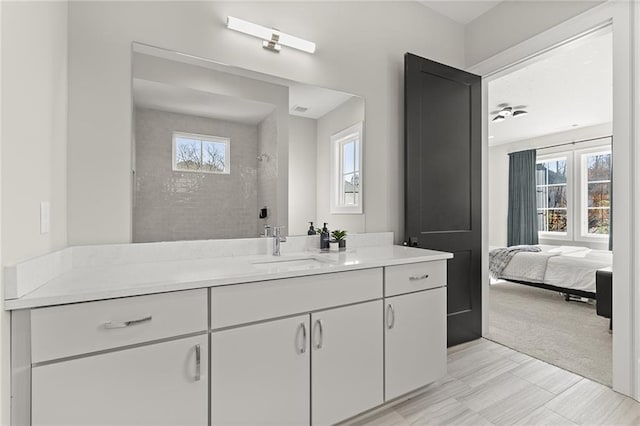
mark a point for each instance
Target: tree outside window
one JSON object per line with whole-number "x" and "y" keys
{"x": 200, "y": 153}
{"x": 597, "y": 191}
{"x": 551, "y": 190}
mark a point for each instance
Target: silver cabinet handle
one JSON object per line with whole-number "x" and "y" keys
{"x": 111, "y": 325}
{"x": 391, "y": 321}
{"x": 419, "y": 277}
{"x": 197, "y": 363}
{"x": 303, "y": 348}
{"x": 320, "y": 334}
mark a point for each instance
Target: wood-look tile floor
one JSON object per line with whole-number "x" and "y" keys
{"x": 491, "y": 384}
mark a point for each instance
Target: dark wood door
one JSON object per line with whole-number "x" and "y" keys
{"x": 443, "y": 182}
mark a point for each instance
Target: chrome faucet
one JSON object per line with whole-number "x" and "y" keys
{"x": 277, "y": 239}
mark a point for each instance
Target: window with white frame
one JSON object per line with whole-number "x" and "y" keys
{"x": 552, "y": 195}
{"x": 346, "y": 188}
{"x": 574, "y": 193}
{"x": 200, "y": 153}
{"x": 596, "y": 192}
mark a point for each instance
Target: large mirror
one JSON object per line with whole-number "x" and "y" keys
{"x": 223, "y": 152}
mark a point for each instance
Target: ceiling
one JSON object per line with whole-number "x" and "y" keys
{"x": 461, "y": 11}
{"x": 570, "y": 87}
{"x": 164, "y": 97}
{"x": 317, "y": 100}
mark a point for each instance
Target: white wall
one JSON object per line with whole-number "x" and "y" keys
{"x": 34, "y": 139}
{"x": 499, "y": 180}
{"x": 512, "y": 22}
{"x": 34, "y": 135}
{"x": 302, "y": 174}
{"x": 336, "y": 120}
{"x": 100, "y": 36}
{"x": 5, "y": 317}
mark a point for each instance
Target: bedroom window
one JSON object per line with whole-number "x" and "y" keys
{"x": 200, "y": 153}
{"x": 551, "y": 190}
{"x": 596, "y": 184}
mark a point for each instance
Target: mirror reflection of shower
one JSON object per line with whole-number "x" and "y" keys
{"x": 247, "y": 119}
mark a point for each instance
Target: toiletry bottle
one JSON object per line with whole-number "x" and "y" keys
{"x": 324, "y": 238}
{"x": 312, "y": 230}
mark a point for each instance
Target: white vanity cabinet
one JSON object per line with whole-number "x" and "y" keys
{"x": 415, "y": 326}
{"x": 270, "y": 367}
{"x": 326, "y": 363}
{"x": 260, "y": 374}
{"x": 346, "y": 362}
{"x": 158, "y": 384}
{"x": 303, "y": 350}
{"x": 136, "y": 360}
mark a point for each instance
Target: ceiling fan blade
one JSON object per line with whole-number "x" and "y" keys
{"x": 506, "y": 111}
{"x": 519, "y": 107}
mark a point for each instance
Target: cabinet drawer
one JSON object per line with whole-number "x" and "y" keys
{"x": 414, "y": 277}
{"x": 62, "y": 331}
{"x": 244, "y": 303}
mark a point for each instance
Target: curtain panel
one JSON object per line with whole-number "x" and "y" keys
{"x": 522, "y": 217}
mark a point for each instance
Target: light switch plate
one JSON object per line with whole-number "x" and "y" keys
{"x": 45, "y": 217}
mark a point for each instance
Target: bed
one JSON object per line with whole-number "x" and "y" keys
{"x": 567, "y": 269}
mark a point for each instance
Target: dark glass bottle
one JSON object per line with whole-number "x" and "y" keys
{"x": 324, "y": 238}
{"x": 312, "y": 230}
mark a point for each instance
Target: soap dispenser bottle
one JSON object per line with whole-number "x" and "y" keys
{"x": 312, "y": 230}
{"x": 324, "y": 238}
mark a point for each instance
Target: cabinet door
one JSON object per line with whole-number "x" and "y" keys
{"x": 260, "y": 374}
{"x": 347, "y": 362}
{"x": 415, "y": 340}
{"x": 156, "y": 384}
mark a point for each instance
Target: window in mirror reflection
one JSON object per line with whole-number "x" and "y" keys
{"x": 200, "y": 153}
{"x": 346, "y": 146}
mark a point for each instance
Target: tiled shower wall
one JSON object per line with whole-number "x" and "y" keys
{"x": 170, "y": 206}
{"x": 268, "y": 170}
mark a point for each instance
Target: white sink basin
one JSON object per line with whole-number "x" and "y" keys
{"x": 288, "y": 262}
{"x": 281, "y": 259}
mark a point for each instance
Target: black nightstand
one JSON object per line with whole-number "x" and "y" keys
{"x": 604, "y": 281}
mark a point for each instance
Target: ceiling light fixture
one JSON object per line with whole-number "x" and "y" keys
{"x": 506, "y": 111}
{"x": 273, "y": 39}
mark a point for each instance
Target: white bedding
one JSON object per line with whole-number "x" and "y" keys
{"x": 565, "y": 266}
{"x": 528, "y": 266}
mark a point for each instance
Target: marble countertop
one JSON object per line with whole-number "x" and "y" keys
{"x": 112, "y": 281}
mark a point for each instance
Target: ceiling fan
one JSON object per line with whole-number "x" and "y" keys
{"x": 507, "y": 111}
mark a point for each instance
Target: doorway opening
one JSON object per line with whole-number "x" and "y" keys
{"x": 543, "y": 296}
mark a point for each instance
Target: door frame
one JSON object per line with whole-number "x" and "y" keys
{"x": 620, "y": 15}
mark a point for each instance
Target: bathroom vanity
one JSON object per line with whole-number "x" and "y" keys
{"x": 304, "y": 338}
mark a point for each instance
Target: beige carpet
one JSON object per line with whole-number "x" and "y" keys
{"x": 540, "y": 323}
